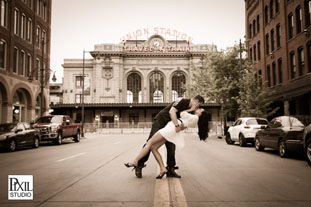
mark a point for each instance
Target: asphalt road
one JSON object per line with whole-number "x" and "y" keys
{"x": 91, "y": 173}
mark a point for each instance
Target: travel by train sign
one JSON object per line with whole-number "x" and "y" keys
{"x": 157, "y": 44}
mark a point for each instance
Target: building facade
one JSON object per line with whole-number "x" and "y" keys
{"x": 279, "y": 37}
{"x": 25, "y": 30}
{"x": 56, "y": 93}
{"x": 131, "y": 81}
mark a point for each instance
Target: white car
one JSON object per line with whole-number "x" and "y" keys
{"x": 244, "y": 130}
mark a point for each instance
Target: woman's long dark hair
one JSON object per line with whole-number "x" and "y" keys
{"x": 203, "y": 126}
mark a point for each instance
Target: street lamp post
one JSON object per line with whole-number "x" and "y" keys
{"x": 82, "y": 134}
{"x": 42, "y": 81}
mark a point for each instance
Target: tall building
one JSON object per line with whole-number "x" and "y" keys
{"x": 131, "y": 81}
{"x": 25, "y": 30}
{"x": 279, "y": 37}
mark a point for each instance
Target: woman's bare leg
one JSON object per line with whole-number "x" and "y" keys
{"x": 156, "y": 138}
{"x": 157, "y": 155}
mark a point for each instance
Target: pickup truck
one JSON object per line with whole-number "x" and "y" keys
{"x": 57, "y": 127}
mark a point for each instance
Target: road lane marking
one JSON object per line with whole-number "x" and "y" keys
{"x": 168, "y": 191}
{"x": 161, "y": 194}
{"x": 67, "y": 158}
{"x": 117, "y": 142}
{"x": 177, "y": 194}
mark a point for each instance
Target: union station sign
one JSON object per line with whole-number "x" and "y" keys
{"x": 167, "y": 32}
{"x": 157, "y": 44}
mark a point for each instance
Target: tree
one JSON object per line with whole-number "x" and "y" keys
{"x": 253, "y": 100}
{"x": 228, "y": 78}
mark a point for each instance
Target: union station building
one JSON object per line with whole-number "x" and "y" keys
{"x": 132, "y": 81}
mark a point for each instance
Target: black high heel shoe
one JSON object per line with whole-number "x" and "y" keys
{"x": 161, "y": 175}
{"x": 129, "y": 165}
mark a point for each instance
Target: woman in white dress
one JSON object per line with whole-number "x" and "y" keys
{"x": 168, "y": 133}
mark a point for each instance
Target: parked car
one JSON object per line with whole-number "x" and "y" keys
{"x": 57, "y": 127}
{"x": 283, "y": 133}
{"x": 244, "y": 129}
{"x": 307, "y": 143}
{"x": 17, "y": 135}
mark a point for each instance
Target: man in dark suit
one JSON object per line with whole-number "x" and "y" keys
{"x": 170, "y": 113}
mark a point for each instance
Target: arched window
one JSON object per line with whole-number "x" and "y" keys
{"x": 254, "y": 27}
{"x": 21, "y": 68}
{"x": 277, "y": 6}
{"x": 2, "y": 54}
{"x": 19, "y": 106}
{"x": 38, "y": 39}
{"x": 29, "y": 30}
{"x": 133, "y": 88}
{"x": 266, "y": 14}
{"x": 298, "y": 19}
{"x": 178, "y": 80}
{"x": 258, "y": 24}
{"x": 156, "y": 87}
{"x": 23, "y": 26}
{"x": 250, "y": 31}
{"x": 4, "y": 13}
{"x": 271, "y": 9}
{"x": 16, "y": 21}
{"x": 309, "y": 56}
{"x": 307, "y": 12}
{"x": 15, "y": 59}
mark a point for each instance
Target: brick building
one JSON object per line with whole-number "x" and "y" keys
{"x": 279, "y": 37}
{"x": 24, "y": 25}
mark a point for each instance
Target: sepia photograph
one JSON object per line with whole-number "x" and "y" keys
{"x": 155, "y": 103}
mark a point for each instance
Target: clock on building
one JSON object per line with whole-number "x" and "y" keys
{"x": 156, "y": 43}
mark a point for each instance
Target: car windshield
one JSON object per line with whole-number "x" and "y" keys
{"x": 7, "y": 127}
{"x": 50, "y": 119}
{"x": 256, "y": 122}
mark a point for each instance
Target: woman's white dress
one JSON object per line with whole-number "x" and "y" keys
{"x": 169, "y": 132}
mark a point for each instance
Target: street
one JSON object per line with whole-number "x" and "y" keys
{"x": 92, "y": 173}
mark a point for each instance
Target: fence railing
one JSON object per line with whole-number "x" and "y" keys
{"x": 140, "y": 127}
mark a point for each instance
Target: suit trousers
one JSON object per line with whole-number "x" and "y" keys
{"x": 170, "y": 147}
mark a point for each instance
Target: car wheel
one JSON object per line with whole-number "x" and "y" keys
{"x": 228, "y": 139}
{"x": 36, "y": 143}
{"x": 308, "y": 151}
{"x": 242, "y": 140}
{"x": 283, "y": 151}
{"x": 258, "y": 145}
{"x": 76, "y": 138}
{"x": 12, "y": 145}
{"x": 59, "y": 138}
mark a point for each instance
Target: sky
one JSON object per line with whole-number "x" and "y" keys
{"x": 80, "y": 24}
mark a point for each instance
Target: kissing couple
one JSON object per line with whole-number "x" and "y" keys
{"x": 166, "y": 129}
